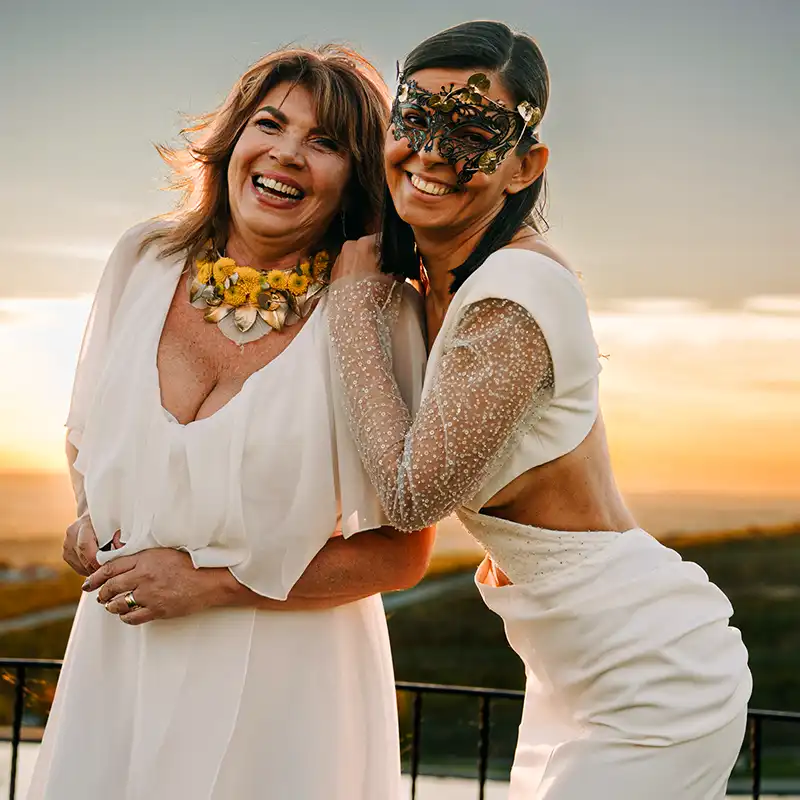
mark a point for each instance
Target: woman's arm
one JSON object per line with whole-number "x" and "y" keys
{"x": 345, "y": 570}
{"x": 167, "y": 585}
{"x": 492, "y": 375}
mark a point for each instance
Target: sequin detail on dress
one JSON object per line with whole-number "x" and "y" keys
{"x": 493, "y": 379}
{"x": 526, "y": 553}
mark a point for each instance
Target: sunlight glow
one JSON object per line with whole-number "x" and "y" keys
{"x": 39, "y": 340}
{"x": 695, "y": 399}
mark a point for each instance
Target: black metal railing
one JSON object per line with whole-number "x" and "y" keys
{"x": 484, "y": 699}
{"x": 18, "y": 672}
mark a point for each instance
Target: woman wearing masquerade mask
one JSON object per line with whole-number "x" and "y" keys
{"x": 213, "y": 466}
{"x": 636, "y": 685}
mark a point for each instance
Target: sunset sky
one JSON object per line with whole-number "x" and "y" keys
{"x": 674, "y": 189}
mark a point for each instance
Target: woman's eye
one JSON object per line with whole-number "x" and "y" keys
{"x": 328, "y": 143}
{"x": 415, "y": 119}
{"x": 471, "y": 137}
{"x": 267, "y": 124}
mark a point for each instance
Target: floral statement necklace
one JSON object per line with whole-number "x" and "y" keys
{"x": 247, "y": 303}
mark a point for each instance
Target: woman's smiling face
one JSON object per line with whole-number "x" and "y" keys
{"x": 286, "y": 176}
{"x": 435, "y": 189}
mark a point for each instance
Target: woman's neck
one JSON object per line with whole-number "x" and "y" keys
{"x": 442, "y": 252}
{"x": 443, "y": 249}
{"x": 264, "y": 253}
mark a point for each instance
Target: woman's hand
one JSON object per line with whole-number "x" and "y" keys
{"x": 80, "y": 545}
{"x": 357, "y": 259}
{"x": 490, "y": 574}
{"x": 164, "y": 584}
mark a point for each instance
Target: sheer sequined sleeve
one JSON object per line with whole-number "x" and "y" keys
{"x": 494, "y": 372}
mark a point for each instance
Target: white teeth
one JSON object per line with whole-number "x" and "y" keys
{"x": 277, "y": 186}
{"x": 427, "y": 187}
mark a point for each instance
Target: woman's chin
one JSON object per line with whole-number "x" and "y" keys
{"x": 423, "y": 218}
{"x": 424, "y": 211}
{"x": 268, "y": 222}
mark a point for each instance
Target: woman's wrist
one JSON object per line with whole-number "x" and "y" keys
{"x": 228, "y": 592}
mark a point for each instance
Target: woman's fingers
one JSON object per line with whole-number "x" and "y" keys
{"x": 137, "y": 617}
{"x": 118, "y": 604}
{"x": 118, "y": 585}
{"x": 68, "y": 553}
{"x": 357, "y": 259}
{"x": 130, "y": 616}
{"x": 86, "y": 545}
{"x": 110, "y": 570}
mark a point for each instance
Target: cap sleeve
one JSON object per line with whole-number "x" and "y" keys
{"x": 553, "y": 297}
{"x": 107, "y": 298}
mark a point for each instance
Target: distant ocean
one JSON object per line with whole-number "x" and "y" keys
{"x": 35, "y": 508}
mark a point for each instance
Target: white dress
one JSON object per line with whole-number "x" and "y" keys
{"x": 228, "y": 703}
{"x": 637, "y": 686}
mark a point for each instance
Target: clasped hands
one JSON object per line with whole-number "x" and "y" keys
{"x": 162, "y": 582}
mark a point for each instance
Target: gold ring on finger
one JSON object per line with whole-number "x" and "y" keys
{"x": 130, "y": 601}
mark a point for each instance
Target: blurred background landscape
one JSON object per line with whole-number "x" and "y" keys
{"x": 673, "y": 190}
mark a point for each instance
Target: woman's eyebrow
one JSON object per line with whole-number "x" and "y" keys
{"x": 276, "y": 112}
{"x": 284, "y": 120}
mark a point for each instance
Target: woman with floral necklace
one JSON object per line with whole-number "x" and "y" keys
{"x": 213, "y": 467}
{"x": 637, "y": 687}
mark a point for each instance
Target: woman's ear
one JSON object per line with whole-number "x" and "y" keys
{"x": 531, "y": 167}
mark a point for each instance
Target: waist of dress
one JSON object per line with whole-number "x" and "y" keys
{"x": 629, "y": 636}
{"x": 526, "y": 552}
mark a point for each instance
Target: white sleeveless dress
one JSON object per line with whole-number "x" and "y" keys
{"x": 228, "y": 703}
{"x": 637, "y": 687}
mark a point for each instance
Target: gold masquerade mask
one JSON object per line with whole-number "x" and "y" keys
{"x": 471, "y": 131}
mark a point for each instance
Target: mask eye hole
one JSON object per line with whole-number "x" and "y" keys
{"x": 413, "y": 118}
{"x": 472, "y": 135}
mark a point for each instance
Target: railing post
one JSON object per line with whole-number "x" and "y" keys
{"x": 16, "y": 733}
{"x": 416, "y": 731}
{"x": 755, "y": 755}
{"x": 483, "y": 745}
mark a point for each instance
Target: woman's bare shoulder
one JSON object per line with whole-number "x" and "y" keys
{"x": 538, "y": 244}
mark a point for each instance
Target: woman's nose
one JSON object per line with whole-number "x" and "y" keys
{"x": 288, "y": 153}
{"x": 429, "y": 153}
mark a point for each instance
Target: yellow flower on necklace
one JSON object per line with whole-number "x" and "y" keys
{"x": 250, "y": 283}
{"x": 321, "y": 263}
{"x": 235, "y": 295}
{"x": 224, "y": 268}
{"x": 204, "y": 271}
{"x": 277, "y": 279}
{"x": 305, "y": 268}
{"x": 298, "y": 284}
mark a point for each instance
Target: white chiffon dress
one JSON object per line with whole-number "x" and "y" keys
{"x": 227, "y": 703}
{"x": 637, "y": 686}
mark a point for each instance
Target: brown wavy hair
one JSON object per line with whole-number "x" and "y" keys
{"x": 352, "y": 106}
